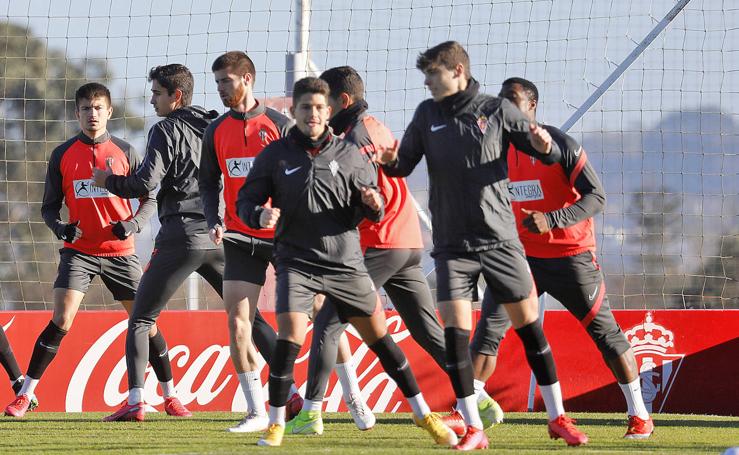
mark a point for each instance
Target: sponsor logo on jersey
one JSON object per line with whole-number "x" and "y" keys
{"x": 654, "y": 349}
{"x": 526, "y": 190}
{"x": 239, "y": 167}
{"x": 85, "y": 189}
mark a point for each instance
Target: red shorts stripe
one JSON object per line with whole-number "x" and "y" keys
{"x": 596, "y": 307}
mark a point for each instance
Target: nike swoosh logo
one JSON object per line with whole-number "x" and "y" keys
{"x": 591, "y": 297}
{"x": 299, "y": 429}
{"x": 435, "y": 128}
{"x": 290, "y": 171}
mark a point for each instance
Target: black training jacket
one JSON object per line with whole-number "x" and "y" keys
{"x": 172, "y": 160}
{"x": 466, "y": 151}
{"x": 319, "y": 200}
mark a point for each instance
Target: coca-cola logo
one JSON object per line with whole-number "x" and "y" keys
{"x": 208, "y": 374}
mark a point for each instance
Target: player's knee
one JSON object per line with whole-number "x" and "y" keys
{"x": 63, "y": 321}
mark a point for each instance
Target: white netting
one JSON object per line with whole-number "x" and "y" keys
{"x": 664, "y": 137}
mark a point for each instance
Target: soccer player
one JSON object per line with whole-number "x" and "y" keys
{"x": 229, "y": 146}
{"x": 7, "y": 359}
{"x": 392, "y": 254}
{"x": 182, "y": 245}
{"x": 554, "y": 208}
{"x": 464, "y": 136}
{"x": 97, "y": 238}
{"x": 321, "y": 188}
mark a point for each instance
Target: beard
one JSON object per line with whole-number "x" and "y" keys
{"x": 236, "y": 98}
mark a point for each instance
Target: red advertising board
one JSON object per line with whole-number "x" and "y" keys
{"x": 679, "y": 352}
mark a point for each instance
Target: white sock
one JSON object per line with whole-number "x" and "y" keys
{"x": 293, "y": 390}
{"x": 167, "y": 389}
{"x": 552, "y": 395}
{"x": 348, "y": 379}
{"x": 467, "y": 406}
{"x": 634, "y": 400}
{"x": 29, "y": 386}
{"x": 419, "y": 406}
{"x": 135, "y": 395}
{"x": 312, "y": 405}
{"x": 251, "y": 385}
{"x": 482, "y": 394}
{"x": 277, "y": 415}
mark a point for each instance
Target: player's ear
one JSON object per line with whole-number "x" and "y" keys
{"x": 346, "y": 100}
{"x": 292, "y": 111}
{"x": 459, "y": 70}
{"x": 178, "y": 96}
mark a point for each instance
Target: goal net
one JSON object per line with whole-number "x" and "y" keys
{"x": 663, "y": 135}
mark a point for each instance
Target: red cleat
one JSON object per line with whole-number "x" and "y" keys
{"x": 127, "y": 413}
{"x": 293, "y": 406}
{"x": 639, "y": 428}
{"x": 18, "y": 407}
{"x": 174, "y": 407}
{"x": 474, "y": 439}
{"x": 455, "y": 422}
{"x": 564, "y": 427}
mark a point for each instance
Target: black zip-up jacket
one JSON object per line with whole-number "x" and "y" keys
{"x": 172, "y": 160}
{"x": 465, "y": 139}
{"x": 319, "y": 200}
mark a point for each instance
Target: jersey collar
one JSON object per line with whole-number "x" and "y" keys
{"x": 89, "y": 141}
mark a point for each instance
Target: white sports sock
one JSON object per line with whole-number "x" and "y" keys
{"x": 348, "y": 379}
{"x": 467, "y": 406}
{"x": 168, "y": 389}
{"x": 277, "y": 415}
{"x": 482, "y": 394}
{"x": 135, "y": 395}
{"x": 634, "y": 400}
{"x": 419, "y": 406}
{"x": 312, "y": 405}
{"x": 29, "y": 386}
{"x": 552, "y": 395}
{"x": 251, "y": 385}
{"x": 293, "y": 390}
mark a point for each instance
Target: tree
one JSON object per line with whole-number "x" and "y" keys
{"x": 37, "y": 86}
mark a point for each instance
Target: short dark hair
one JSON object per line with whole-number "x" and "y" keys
{"x": 528, "y": 86}
{"x": 344, "y": 79}
{"x": 447, "y": 54}
{"x": 90, "y": 91}
{"x": 174, "y": 77}
{"x": 236, "y": 61}
{"x": 310, "y": 85}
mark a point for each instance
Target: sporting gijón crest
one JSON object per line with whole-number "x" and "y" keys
{"x": 659, "y": 364}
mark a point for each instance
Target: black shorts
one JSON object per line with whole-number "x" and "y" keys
{"x": 575, "y": 281}
{"x": 353, "y": 294}
{"x": 247, "y": 258}
{"x": 121, "y": 274}
{"x": 504, "y": 268}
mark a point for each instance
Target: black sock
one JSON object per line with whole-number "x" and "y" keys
{"x": 538, "y": 353}
{"x": 459, "y": 362}
{"x": 45, "y": 350}
{"x": 281, "y": 371}
{"x": 7, "y": 359}
{"x": 396, "y": 365}
{"x": 159, "y": 357}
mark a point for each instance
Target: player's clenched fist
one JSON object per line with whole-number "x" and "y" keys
{"x": 372, "y": 199}
{"x": 384, "y": 155}
{"x": 540, "y": 138}
{"x": 216, "y": 234}
{"x": 269, "y": 216}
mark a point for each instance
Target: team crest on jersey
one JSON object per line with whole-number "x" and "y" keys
{"x": 334, "y": 167}
{"x": 482, "y": 123}
{"x": 239, "y": 167}
{"x": 659, "y": 364}
{"x": 85, "y": 189}
{"x": 263, "y": 136}
{"x": 526, "y": 190}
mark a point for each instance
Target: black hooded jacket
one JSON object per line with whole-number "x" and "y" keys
{"x": 172, "y": 160}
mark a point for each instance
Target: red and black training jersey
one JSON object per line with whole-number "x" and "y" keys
{"x": 69, "y": 180}
{"x": 568, "y": 192}
{"x": 400, "y": 227}
{"x": 230, "y": 145}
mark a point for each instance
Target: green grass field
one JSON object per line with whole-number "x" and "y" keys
{"x": 60, "y": 433}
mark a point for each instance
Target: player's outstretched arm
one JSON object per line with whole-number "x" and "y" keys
{"x": 532, "y": 139}
{"x": 401, "y": 159}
